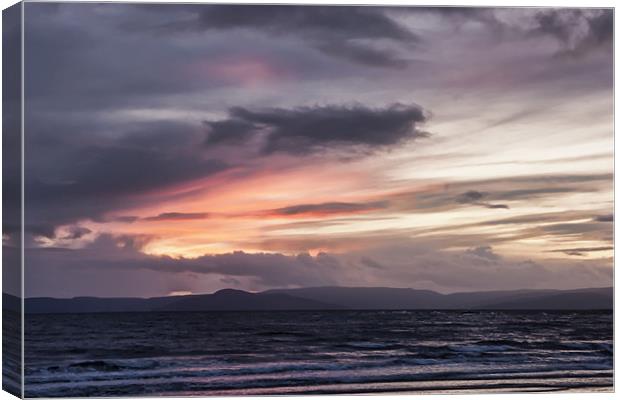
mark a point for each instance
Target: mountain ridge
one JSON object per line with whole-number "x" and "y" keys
{"x": 328, "y": 298}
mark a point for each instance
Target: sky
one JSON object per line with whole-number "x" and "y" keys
{"x": 176, "y": 149}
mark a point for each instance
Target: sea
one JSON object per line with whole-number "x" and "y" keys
{"x": 317, "y": 352}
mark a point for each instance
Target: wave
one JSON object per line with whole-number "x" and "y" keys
{"x": 284, "y": 354}
{"x": 297, "y": 382}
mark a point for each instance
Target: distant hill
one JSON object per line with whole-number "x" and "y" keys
{"x": 330, "y": 298}
{"x": 373, "y": 298}
{"x": 223, "y": 300}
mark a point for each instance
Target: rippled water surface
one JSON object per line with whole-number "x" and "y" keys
{"x": 232, "y": 353}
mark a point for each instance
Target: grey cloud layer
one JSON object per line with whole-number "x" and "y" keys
{"x": 478, "y": 268}
{"x": 579, "y": 31}
{"x": 98, "y": 176}
{"x": 336, "y": 31}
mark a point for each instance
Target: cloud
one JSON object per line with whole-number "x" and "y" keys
{"x": 519, "y": 194}
{"x": 176, "y": 216}
{"x": 96, "y": 268}
{"x": 364, "y": 54}
{"x": 604, "y": 218}
{"x": 579, "y": 251}
{"x": 579, "y": 31}
{"x": 126, "y": 133}
{"x": 527, "y": 189}
{"x": 310, "y": 129}
{"x": 119, "y": 255}
{"x": 564, "y": 227}
{"x": 324, "y": 209}
{"x": 485, "y": 252}
{"x": 337, "y": 31}
{"x": 369, "y": 262}
{"x": 110, "y": 173}
{"x": 470, "y": 196}
{"x": 350, "y": 22}
{"x": 76, "y": 232}
{"x": 474, "y": 197}
{"x": 576, "y": 230}
{"x": 65, "y": 236}
{"x": 502, "y": 206}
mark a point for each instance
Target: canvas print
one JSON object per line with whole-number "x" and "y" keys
{"x": 214, "y": 200}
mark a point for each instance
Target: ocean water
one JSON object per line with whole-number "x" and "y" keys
{"x": 252, "y": 353}
{"x": 11, "y": 352}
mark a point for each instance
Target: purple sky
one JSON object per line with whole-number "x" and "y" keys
{"x": 187, "y": 148}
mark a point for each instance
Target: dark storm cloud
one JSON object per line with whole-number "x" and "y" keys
{"x": 328, "y": 208}
{"x": 177, "y": 216}
{"x": 307, "y": 129}
{"x": 579, "y": 31}
{"x": 334, "y": 30}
